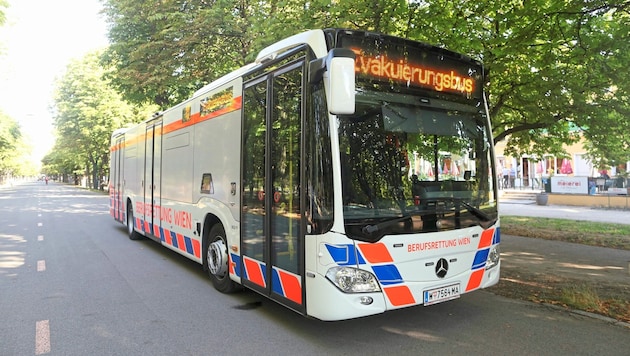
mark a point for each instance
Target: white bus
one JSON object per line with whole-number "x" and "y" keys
{"x": 342, "y": 174}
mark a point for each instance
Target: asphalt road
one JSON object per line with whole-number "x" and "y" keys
{"x": 71, "y": 283}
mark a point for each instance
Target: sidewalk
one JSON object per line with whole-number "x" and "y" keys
{"x": 510, "y": 208}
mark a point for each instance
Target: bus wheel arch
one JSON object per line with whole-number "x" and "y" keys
{"x": 215, "y": 255}
{"x": 133, "y": 234}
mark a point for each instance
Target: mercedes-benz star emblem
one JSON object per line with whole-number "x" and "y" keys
{"x": 441, "y": 268}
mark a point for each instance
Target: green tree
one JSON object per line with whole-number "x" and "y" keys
{"x": 3, "y": 5}
{"x": 61, "y": 161}
{"x": 556, "y": 70}
{"x": 87, "y": 111}
{"x": 14, "y": 150}
{"x": 165, "y": 50}
{"x": 10, "y": 136}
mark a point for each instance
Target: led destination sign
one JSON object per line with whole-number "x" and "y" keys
{"x": 385, "y": 59}
{"x": 412, "y": 74}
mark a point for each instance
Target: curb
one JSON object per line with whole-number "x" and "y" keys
{"x": 589, "y": 315}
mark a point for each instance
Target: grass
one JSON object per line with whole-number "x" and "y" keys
{"x": 582, "y": 296}
{"x": 611, "y": 301}
{"x": 576, "y": 231}
{"x": 586, "y": 297}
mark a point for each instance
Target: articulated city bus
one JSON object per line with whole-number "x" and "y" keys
{"x": 342, "y": 174}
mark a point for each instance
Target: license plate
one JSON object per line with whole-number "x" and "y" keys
{"x": 442, "y": 294}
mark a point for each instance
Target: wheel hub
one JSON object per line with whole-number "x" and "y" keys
{"x": 217, "y": 258}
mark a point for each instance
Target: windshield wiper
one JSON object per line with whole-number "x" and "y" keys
{"x": 480, "y": 214}
{"x": 476, "y": 211}
{"x": 485, "y": 220}
{"x": 370, "y": 229}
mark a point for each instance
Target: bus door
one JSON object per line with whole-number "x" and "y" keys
{"x": 117, "y": 183}
{"x": 272, "y": 230}
{"x": 152, "y": 170}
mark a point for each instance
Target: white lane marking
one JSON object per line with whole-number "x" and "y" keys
{"x": 40, "y": 224}
{"x": 42, "y": 337}
{"x": 41, "y": 266}
{"x": 40, "y": 238}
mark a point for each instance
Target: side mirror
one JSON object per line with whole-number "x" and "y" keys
{"x": 340, "y": 79}
{"x": 337, "y": 71}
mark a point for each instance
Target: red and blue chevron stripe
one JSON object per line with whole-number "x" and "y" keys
{"x": 172, "y": 238}
{"x": 284, "y": 283}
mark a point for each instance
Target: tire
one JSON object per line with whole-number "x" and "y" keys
{"x": 216, "y": 260}
{"x": 133, "y": 234}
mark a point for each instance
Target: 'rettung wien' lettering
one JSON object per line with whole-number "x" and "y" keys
{"x": 165, "y": 214}
{"x": 434, "y": 245}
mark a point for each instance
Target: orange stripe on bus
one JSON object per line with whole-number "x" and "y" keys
{"x": 291, "y": 286}
{"x": 196, "y": 248}
{"x": 231, "y": 264}
{"x": 486, "y": 238}
{"x": 254, "y": 271}
{"x": 475, "y": 280}
{"x": 399, "y": 295}
{"x": 181, "y": 244}
{"x": 376, "y": 253}
{"x": 180, "y": 124}
{"x": 129, "y": 142}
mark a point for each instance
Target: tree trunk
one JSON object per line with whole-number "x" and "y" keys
{"x": 95, "y": 178}
{"x": 88, "y": 174}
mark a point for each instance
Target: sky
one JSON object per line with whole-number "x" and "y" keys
{"x": 37, "y": 42}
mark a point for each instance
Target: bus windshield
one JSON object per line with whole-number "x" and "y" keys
{"x": 412, "y": 164}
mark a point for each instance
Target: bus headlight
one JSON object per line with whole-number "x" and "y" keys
{"x": 493, "y": 257}
{"x": 353, "y": 280}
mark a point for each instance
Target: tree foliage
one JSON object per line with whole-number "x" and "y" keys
{"x": 3, "y": 5}
{"x": 14, "y": 149}
{"x": 556, "y": 70}
{"x": 87, "y": 110}
{"x": 163, "y": 51}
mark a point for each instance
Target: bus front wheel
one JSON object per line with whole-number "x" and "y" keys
{"x": 217, "y": 260}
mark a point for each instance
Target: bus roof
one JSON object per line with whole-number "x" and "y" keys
{"x": 120, "y": 131}
{"x": 314, "y": 38}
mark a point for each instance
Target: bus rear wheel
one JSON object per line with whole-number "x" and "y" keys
{"x": 133, "y": 235}
{"x": 217, "y": 260}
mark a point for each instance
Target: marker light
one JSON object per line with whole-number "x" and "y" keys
{"x": 366, "y": 300}
{"x": 353, "y": 280}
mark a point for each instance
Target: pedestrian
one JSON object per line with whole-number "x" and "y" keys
{"x": 506, "y": 177}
